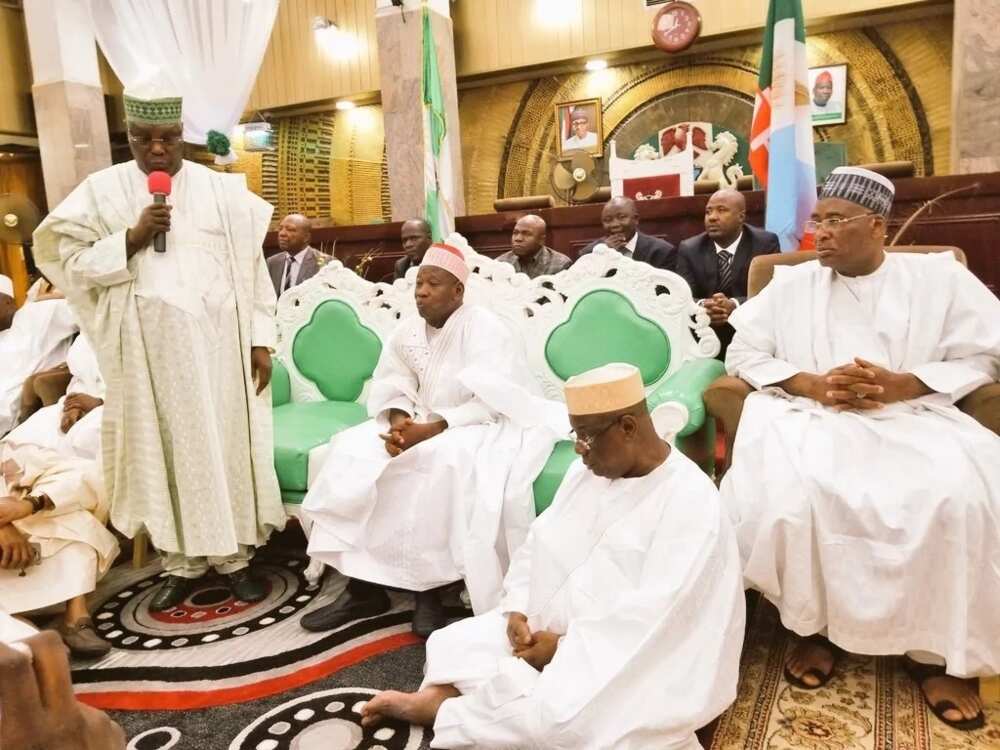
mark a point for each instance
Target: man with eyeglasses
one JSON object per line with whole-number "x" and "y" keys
{"x": 183, "y": 340}
{"x": 867, "y": 504}
{"x": 621, "y": 622}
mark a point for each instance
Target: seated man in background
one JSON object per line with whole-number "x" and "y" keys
{"x": 297, "y": 260}
{"x": 415, "y": 234}
{"x": 52, "y": 499}
{"x": 7, "y": 305}
{"x": 437, "y": 487}
{"x": 529, "y": 254}
{"x": 37, "y": 338}
{"x": 715, "y": 263}
{"x": 622, "y": 618}
{"x": 867, "y": 504}
{"x": 620, "y": 218}
{"x": 37, "y": 708}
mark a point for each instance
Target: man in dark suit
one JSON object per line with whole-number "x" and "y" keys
{"x": 297, "y": 261}
{"x": 415, "y": 234}
{"x": 715, "y": 262}
{"x": 620, "y": 218}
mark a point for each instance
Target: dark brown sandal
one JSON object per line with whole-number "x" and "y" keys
{"x": 920, "y": 673}
{"x": 821, "y": 677}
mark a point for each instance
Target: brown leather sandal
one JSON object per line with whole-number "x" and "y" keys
{"x": 821, "y": 677}
{"x": 920, "y": 673}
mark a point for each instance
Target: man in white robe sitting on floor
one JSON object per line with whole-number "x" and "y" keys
{"x": 53, "y": 506}
{"x": 622, "y": 618}
{"x": 437, "y": 487}
{"x": 867, "y": 504}
{"x": 35, "y": 338}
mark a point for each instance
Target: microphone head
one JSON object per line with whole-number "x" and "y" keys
{"x": 158, "y": 182}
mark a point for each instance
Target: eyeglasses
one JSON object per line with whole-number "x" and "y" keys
{"x": 831, "y": 225}
{"x": 144, "y": 141}
{"x": 587, "y": 441}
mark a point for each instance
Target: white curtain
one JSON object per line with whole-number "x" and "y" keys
{"x": 211, "y": 51}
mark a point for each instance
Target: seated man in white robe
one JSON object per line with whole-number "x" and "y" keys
{"x": 37, "y": 338}
{"x": 53, "y": 508}
{"x": 622, "y": 618}
{"x": 867, "y": 504}
{"x": 7, "y": 304}
{"x": 437, "y": 487}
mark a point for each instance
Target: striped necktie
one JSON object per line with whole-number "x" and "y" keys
{"x": 725, "y": 270}
{"x": 288, "y": 275}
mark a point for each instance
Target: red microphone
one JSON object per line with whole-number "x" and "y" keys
{"x": 159, "y": 188}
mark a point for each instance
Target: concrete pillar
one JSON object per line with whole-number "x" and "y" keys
{"x": 69, "y": 101}
{"x": 400, "y": 58}
{"x": 975, "y": 88}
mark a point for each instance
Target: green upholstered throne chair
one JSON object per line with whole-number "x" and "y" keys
{"x": 609, "y": 308}
{"x": 330, "y": 334}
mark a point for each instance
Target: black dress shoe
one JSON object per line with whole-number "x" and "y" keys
{"x": 173, "y": 591}
{"x": 346, "y": 608}
{"x": 245, "y": 587}
{"x": 429, "y": 613}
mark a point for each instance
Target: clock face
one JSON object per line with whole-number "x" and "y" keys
{"x": 676, "y": 26}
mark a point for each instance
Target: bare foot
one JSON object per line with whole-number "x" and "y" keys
{"x": 413, "y": 708}
{"x": 808, "y": 655}
{"x": 958, "y": 691}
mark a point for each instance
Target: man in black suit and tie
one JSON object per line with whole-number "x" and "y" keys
{"x": 715, "y": 263}
{"x": 415, "y": 234}
{"x": 297, "y": 261}
{"x": 620, "y": 218}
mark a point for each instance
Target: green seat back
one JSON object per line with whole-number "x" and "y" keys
{"x": 605, "y": 327}
{"x": 300, "y": 427}
{"x": 336, "y": 352}
{"x": 551, "y": 476}
{"x": 281, "y": 385}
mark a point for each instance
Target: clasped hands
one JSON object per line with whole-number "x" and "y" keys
{"x": 404, "y": 433}
{"x": 719, "y": 307}
{"x": 536, "y": 648}
{"x": 75, "y": 407}
{"x": 857, "y": 386}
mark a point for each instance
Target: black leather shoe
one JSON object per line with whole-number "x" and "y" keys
{"x": 429, "y": 613}
{"x": 346, "y": 608}
{"x": 245, "y": 587}
{"x": 173, "y": 591}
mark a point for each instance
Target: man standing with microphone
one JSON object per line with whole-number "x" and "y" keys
{"x": 175, "y": 295}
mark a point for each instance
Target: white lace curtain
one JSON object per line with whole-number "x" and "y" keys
{"x": 210, "y": 49}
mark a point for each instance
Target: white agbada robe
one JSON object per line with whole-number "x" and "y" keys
{"x": 881, "y": 527}
{"x": 76, "y": 549}
{"x": 38, "y": 339}
{"x": 455, "y": 506}
{"x": 187, "y": 443}
{"x": 642, "y": 578}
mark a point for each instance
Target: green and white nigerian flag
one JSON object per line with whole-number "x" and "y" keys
{"x": 439, "y": 187}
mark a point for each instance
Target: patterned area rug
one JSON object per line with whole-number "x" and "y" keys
{"x": 870, "y": 704}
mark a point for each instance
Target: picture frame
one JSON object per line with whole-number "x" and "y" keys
{"x": 828, "y": 94}
{"x": 579, "y": 125}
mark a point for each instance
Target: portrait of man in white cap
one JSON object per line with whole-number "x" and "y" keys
{"x": 428, "y": 492}
{"x": 867, "y": 504}
{"x": 579, "y": 126}
{"x": 183, "y": 339}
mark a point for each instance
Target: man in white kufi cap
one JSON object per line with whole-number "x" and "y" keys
{"x": 867, "y": 504}
{"x": 622, "y": 616}
{"x": 184, "y": 340}
{"x": 437, "y": 486}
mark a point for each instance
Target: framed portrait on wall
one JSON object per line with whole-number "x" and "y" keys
{"x": 580, "y": 125}
{"x": 828, "y": 94}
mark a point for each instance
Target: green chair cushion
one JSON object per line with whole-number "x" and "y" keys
{"x": 292, "y": 497}
{"x": 548, "y": 481}
{"x": 605, "y": 327}
{"x": 300, "y": 427}
{"x": 281, "y": 385}
{"x": 336, "y": 352}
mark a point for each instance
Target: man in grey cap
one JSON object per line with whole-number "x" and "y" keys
{"x": 867, "y": 504}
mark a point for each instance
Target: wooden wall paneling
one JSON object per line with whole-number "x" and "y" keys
{"x": 16, "y": 115}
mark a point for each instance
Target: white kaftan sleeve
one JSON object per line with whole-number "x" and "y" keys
{"x": 971, "y": 337}
{"x": 751, "y": 354}
{"x": 263, "y": 331}
{"x": 394, "y": 386}
{"x": 98, "y": 264}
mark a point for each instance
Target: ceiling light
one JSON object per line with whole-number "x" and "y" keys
{"x": 593, "y": 65}
{"x": 345, "y": 104}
